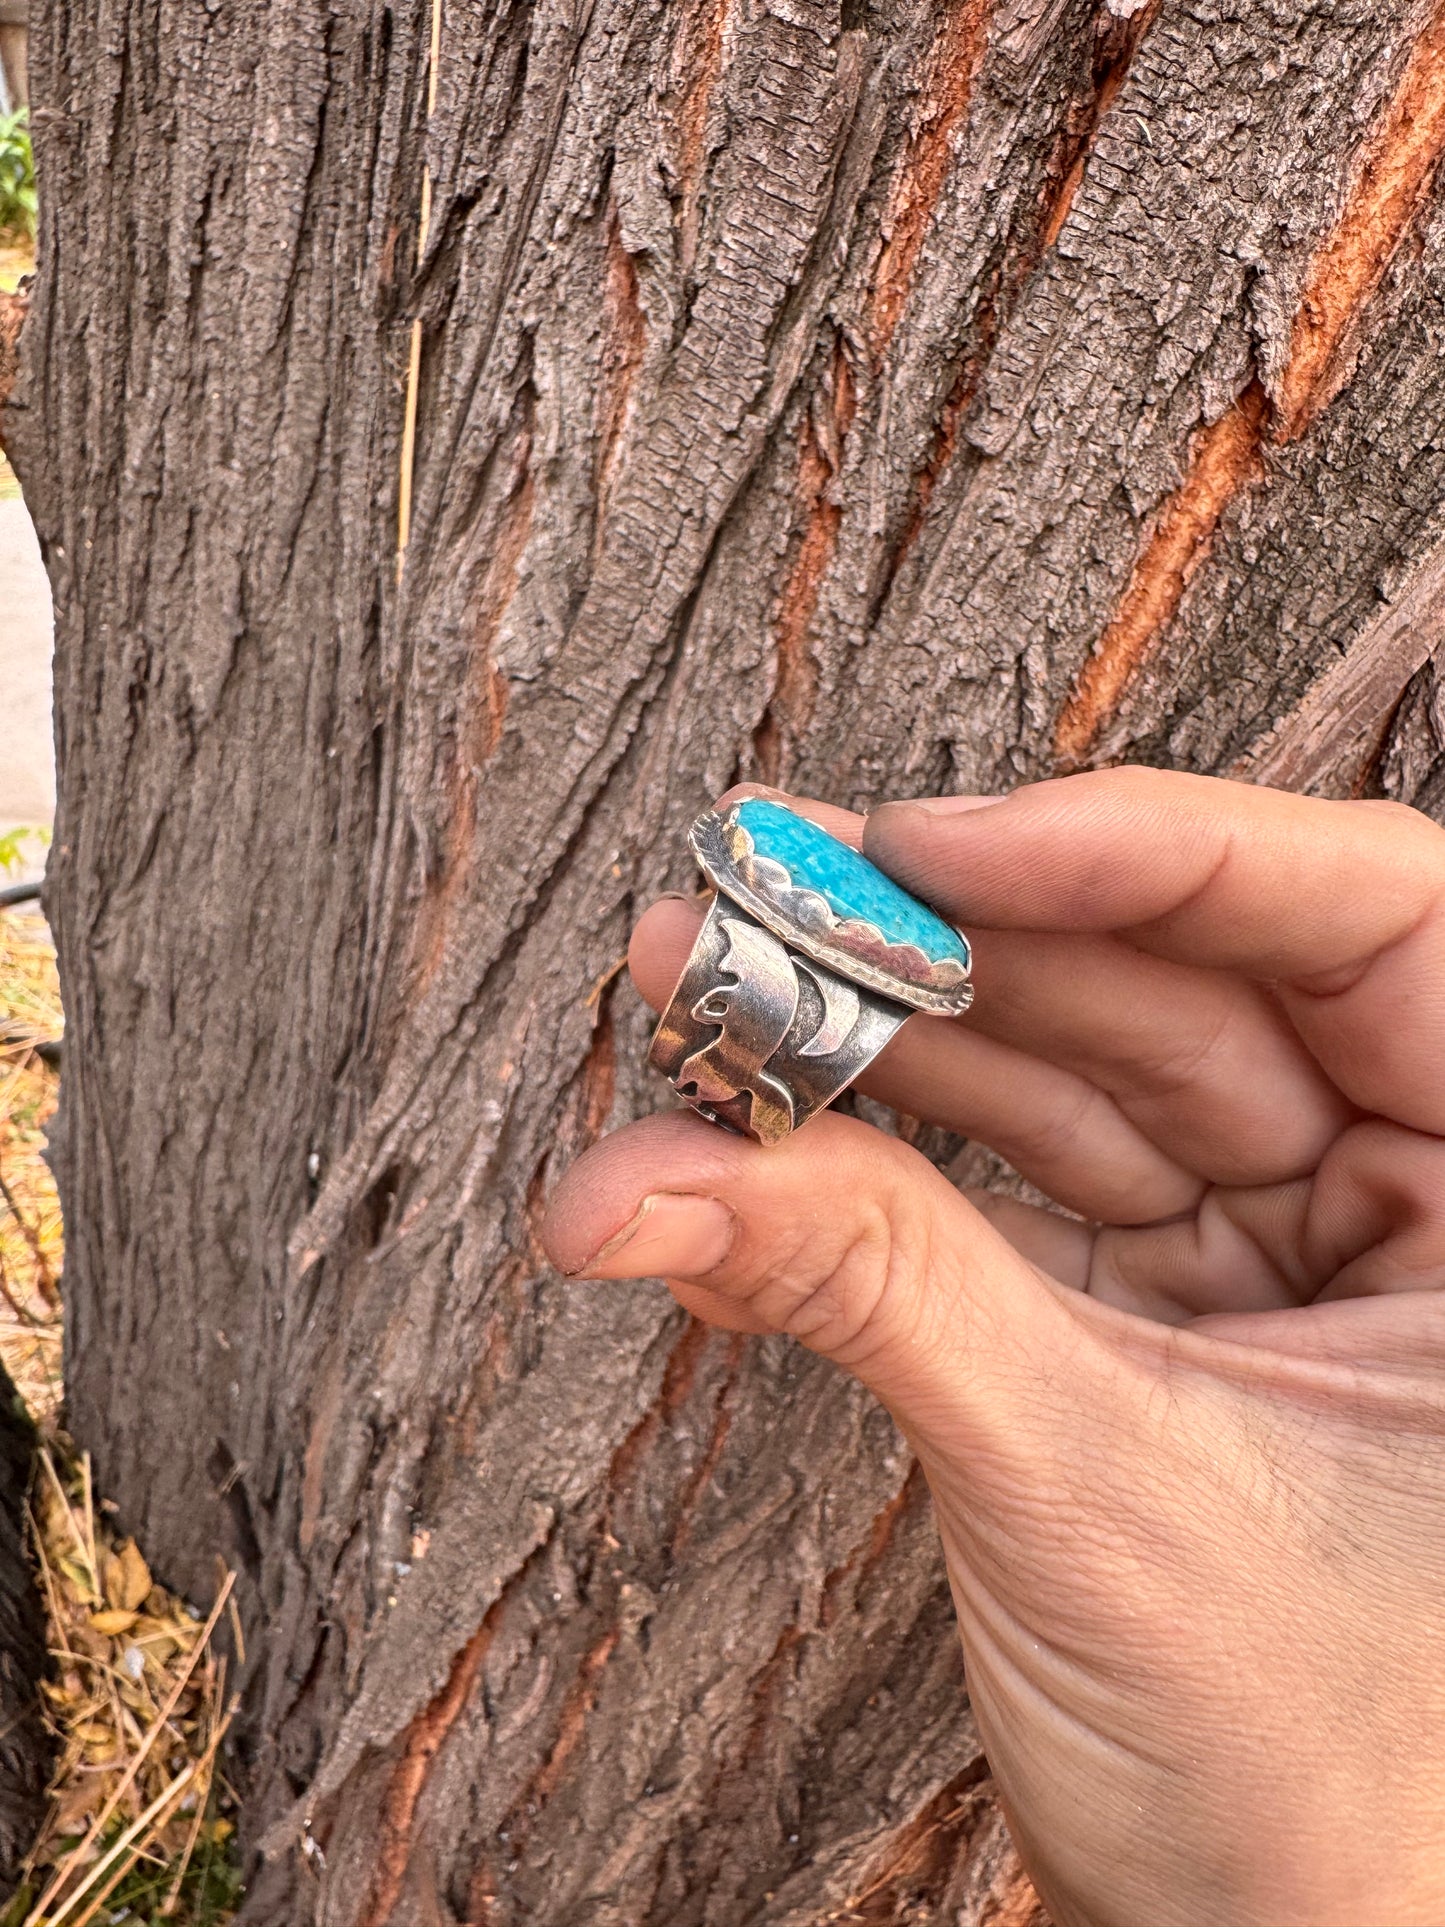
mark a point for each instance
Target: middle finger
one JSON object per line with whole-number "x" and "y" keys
{"x": 1203, "y": 1062}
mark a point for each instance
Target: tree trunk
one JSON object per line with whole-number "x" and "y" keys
{"x": 875, "y": 399}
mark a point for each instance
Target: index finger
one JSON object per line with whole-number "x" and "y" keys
{"x": 1341, "y": 905}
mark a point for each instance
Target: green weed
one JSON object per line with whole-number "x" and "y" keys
{"x": 12, "y": 843}
{"x": 17, "y": 176}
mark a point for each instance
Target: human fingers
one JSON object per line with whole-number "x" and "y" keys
{"x": 1341, "y": 904}
{"x": 1234, "y": 1259}
{"x": 1062, "y": 1133}
{"x": 846, "y": 1240}
{"x": 1057, "y": 1129}
{"x": 1203, "y": 1062}
{"x": 1370, "y": 1222}
{"x": 1376, "y": 1217}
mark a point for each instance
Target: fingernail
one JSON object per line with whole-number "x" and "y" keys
{"x": 740, "y": 791}
{"x": 670, "y": 1237}
{"x": 955, "y": 805}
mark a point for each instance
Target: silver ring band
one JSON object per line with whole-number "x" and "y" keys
{"x": 792, "y": 1034}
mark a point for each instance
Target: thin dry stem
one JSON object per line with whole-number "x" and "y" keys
{"x": 87, "y": 1566}
{"x": 413, "y": 369}
{"x": 77, "y": 1854}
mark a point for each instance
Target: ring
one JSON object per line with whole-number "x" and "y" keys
{"x": 809, "y": 961}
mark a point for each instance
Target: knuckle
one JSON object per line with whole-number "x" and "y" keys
{"x": 1050, "y": 1136}
{"x": 1176, "y": 1061}
{"x": 1405, "y": 814}
{"x": 852, "y": 1292}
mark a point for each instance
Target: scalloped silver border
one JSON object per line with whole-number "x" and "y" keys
{"x": 851, "y": 946}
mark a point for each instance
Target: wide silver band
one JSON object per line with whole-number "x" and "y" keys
{"x": 758, "y": 1037}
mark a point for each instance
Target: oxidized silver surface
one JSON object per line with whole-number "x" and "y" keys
{"x": 782, "y": 1003}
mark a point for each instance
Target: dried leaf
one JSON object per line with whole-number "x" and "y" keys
{"x": 75, "y": 1804}
{"x": 135, "y": 1576}
{"x": 113, "y": 1621}
{"x": 77, "y": 1577}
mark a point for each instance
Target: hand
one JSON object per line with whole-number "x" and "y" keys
{"x": 1186, "y": 1447}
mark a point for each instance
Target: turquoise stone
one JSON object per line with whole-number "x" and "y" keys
{"x": 849, "y": 884}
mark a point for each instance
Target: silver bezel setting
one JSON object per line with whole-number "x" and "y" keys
{"x": 851, "y": 947}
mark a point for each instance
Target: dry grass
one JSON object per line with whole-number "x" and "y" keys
{"x": 137, "y": 1829}
{"x": 30, "y": 1237}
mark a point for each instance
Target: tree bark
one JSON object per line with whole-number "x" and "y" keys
{"x": 871, "y": 399}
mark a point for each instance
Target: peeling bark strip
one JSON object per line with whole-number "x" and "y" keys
{"x": 919, "y": 1856}
{"x": 1398, "y": 166}
{"x": 413, "y": 365}
{"x": 1331, "y": 740}
{"x": 1224, "y": 460}
{"x": 795, "y": 681}
{"x": 482, "y": 713}
{"x": 624, "y": 337}
{"x": 705, "y": 25}
{"x": 1389, "y": 183}
{"x": 580, "y": 1702}
{"x": 952, "y": 66}
{"x": 868, "y": 1554}
{"x": 1121, "y": 41}
{"x": 695, "y": 1489}
{"x": 342, "y": 875}
{"x": 1118, "y": 43}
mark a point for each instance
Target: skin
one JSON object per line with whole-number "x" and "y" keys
{"x": 1186, "y": 1436}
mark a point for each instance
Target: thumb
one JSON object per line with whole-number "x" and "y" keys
{"x": 850, "y": 1242}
